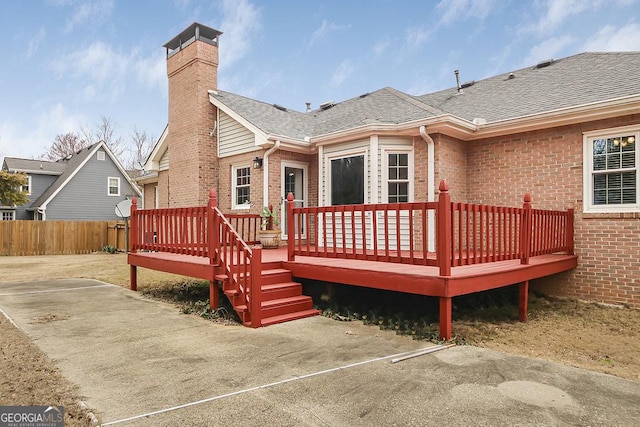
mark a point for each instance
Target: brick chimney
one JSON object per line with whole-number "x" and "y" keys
{"x": 192, "y": 68}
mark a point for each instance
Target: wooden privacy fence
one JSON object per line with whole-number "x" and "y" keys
{"x": 19, "y": 238}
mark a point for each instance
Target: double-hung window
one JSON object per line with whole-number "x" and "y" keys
{"x": 611, "y": 179}
{"x": 241, "y": 186}
{"x": 113, "y": 186}
{"x": 398, "y": 177}
{"x": 27, "y": 187}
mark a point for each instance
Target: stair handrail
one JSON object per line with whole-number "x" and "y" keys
{"x": 235, "y": 259}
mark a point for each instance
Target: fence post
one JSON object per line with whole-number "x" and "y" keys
{"x": 443, "y": 230}
{"x": 526, "y": 232}
{"x": 256, "y": 287}
{"x": 291, "y": 229}
{"x": 569, "y": 237}
{"x": 213, "y": 234}
{"x": 133, "y": 244}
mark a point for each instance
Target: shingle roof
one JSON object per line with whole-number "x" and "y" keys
{"x": 14, "y": 164}
{"x": 568, "y": 82}
{"x": 71, "y": 165}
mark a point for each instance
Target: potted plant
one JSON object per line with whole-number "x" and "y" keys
{"x": 270, "y": 232}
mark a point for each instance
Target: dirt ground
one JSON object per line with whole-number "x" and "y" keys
{"x": 589, "y": 336}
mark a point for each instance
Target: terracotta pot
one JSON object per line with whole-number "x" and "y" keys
{"x": 269, "y": 239}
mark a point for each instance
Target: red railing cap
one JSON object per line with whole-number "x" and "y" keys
{"x": 443, "y": 186}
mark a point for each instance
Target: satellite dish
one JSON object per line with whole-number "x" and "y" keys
{"x": 123, "y": 209}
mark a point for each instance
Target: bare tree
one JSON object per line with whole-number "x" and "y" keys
{"x": 105, "y": 131}
{"x": 64, "y": 144}
{"x": 142, "y": 146}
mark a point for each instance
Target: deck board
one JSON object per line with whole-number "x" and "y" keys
{"x": 407, "y": 278}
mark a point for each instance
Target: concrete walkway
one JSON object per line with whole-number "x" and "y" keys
{"x": 140, "y": 362}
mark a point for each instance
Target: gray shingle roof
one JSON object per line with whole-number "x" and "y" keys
{"x": 568, "y": 82}
{"x": 71, "y": 165}
{"x": 14, "y": 164}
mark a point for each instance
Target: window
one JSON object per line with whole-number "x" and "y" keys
{"x": 347, "y": 180}
{"x": 611, "y": 171}
{"x": 398, "y": 177}
{"x": 113, "y": 186}
{"x": 27, "y": 188}
{"x": 100, "y": 155}
{"x": 8, "y": 215}
{"x": 241, "y": 187}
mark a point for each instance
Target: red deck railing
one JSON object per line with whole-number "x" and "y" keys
{"x": 442, "y": 234}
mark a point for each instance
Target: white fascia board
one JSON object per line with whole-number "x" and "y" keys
{"x": 153, "y": 161}
{"x": 260, "y": 135}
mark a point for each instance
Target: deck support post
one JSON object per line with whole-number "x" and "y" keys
{"x": 214, "y": 296}
{"x": 445, "y": 318}
{"x": 443, "y": 230}
{"x": 524, "y": 300}
{"x": 133, "y": 277}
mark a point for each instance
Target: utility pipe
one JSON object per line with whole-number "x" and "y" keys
{"x": 431, "y": 183}
{"x": 265, "y": 173}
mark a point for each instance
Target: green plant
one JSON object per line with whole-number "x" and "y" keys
{"x": 269, "y": 218}
{"x": 110, "y": 249}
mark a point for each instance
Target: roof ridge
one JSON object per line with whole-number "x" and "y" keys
{"x": 415, "y": 101}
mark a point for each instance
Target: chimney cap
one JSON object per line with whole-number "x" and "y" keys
{"x": 193, "y": 32}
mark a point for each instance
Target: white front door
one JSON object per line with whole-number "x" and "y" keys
{"x": 295, "y": 181}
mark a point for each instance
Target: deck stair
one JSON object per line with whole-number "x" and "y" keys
{"x": 282, "y": 298}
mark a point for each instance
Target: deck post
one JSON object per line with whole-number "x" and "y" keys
{"x": 256, "y": 287}
{"x": 569, "y": 237}
{"x": 443, "y": 230}
{"x": 526, "y": 231}
{"x": 213, "y": 235}
{"x": 133, "y": 244}
{"x": 523, "y": 289}
{"x": 290, "y": 229}
{"x": 445, "y": 318}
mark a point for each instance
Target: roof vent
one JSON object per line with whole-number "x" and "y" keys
{"x": 544, "y": 63}
{"x": 327, "y": 105}
{"x": 511, "y": 76}
{"x": 467, "y": 84}
{"x": 280, "y": 107}
{"x": 364, "y": 95}
{"x": 457, "y": 73}
{"x": 479, "y": 121}
{"x": 308, "y": 104}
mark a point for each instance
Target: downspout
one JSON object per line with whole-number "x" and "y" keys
{"x": 431, "y": 184}
{"x": 265, "y": 173}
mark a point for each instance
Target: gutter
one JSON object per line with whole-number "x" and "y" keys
{"x": 431, "y": 184}
{"x": 265, "y": 173}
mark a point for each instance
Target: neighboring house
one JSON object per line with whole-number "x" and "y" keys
{"x": 84, "y": 186}
{"x": 565, "y": 131}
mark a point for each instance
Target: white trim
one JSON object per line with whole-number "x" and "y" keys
{"x": 234, "y": 169}
{"x": 587, "y": 169}
{"x": 29, "y": 184}
{"x": 305, "y": 189}
{"x": 375, "y": 168}
{"x": 101, "y": 156}
{"x": 359, "y": 151}
{"x": 153, "y": 161}
{"x": 109, "y": 186}
{"x": 12, "y": 212}
{"x": 321, "y": 191}
{"x": 394, "y": 149}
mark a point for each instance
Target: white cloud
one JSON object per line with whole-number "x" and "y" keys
{"x": 325, "y": 29}
{"x": 35, "y": 42}
{"x": 458, "y": 10}
{"x": 417, "y": 36}
{"x": 87, "y": 12}
{"x": 381, "y": 46}
{"x": 612, "y": 38}
{"x": 342, "y": 73}
{"x": 548, "y": 49}
{"x": 241, "y": 22}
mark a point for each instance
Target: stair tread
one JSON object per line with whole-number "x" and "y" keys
{"x": 276, "y": 302}
{"x": 290, "y": 316}
{"x": 275, "y": 271}
{"x": 279, "y": 285}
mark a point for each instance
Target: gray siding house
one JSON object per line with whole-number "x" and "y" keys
{"x": 84, "y": 186}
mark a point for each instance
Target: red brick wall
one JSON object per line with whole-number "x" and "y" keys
{"x": 548, "y": 164}
{"x": 451, "y": 164}
{"x": 149, "y": 193}
{"x": 193, "y": 167}
{"x": 224, "y": 193}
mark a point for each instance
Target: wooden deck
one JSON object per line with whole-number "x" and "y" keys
{"x": 441, "y": 249}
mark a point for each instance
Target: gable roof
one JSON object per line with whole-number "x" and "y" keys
{"x": 579, "y": 83}
{"x": 14, "y": 164}
{"x": 73, "y": 165}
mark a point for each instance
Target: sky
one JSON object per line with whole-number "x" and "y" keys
{"x": 68, "y": 63}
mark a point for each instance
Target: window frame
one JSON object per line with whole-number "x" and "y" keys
{"x": 29, "y": 186}
{"x": 361, "y": 151}
{"x": 101, "y": 155}
{"x": 234, "y": 187}
{"x": 117, "y": 178}
{"x": 386, "y": 151}
{"x": 588, "y": 172}
{"x": 12, "y": 213}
